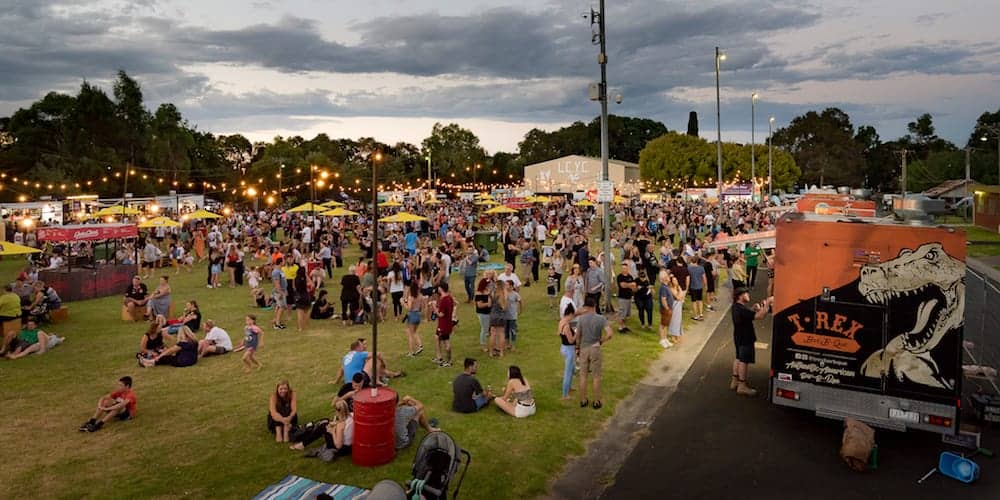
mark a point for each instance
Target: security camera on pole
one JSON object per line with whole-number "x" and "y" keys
{"x": 604, "y": 186}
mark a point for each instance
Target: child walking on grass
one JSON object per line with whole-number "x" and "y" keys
{"x": 551, "y": 282}
{"x": 252, "y": 337}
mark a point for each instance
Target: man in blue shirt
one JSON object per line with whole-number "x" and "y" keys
{"x": 411, "y": 242}
{"x": 280, "y": 292}
{"x": 354, "y": 361}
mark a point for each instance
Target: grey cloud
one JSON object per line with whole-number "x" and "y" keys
{"x": 925, "y": 58}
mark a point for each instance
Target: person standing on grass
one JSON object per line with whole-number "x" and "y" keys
{"x": 712, "y": 277}
{"x": 567, "y": 347}
{"x": 744, "y": 338}
{"x": 644, "y": 300}
{"x": 445, "y": 325}
{"x": 414, "y": 304}
{"x": 484, "y": 304}
{"x": 752, "y": 254}
{"x": 253, "y": 339}
{"x": 626, "y": 290}
{"x": 595, "y": 283}
{"x": 594, "y": 331}
{"x": 696, "y": 287}
{"x": 511, "y": 313}
{"x": 119, "y": 404}
{"x": 280, "y": 293}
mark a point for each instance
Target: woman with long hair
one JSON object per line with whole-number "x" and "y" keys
{"x": 302, "y": 297}
{"x": 567, "y": 347}
{"x": 498, "y": 321}
{"x": 396, "y": 288}
{"x": 282, "y": 413}
{"x": 414, "y": 304}
{"x": 484, "y": 304}
{"x": 575, "y": 283}
{"x": 517, "y": 400}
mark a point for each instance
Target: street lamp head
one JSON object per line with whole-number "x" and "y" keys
{"x": 378, "y": 156}
{"x": 984, "y": 138}
{"x": 755, "y": 96}
{"x": 771, "y": 119}
{"x": 722, "y": 56}
{"x": 251, "y": 192}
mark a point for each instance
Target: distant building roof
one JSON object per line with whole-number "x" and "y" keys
{"x": 947, "y": 186}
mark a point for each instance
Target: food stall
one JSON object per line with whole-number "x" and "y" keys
{"x": 84, "y": 276}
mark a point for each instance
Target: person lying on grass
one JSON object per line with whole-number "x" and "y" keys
{"x": 119, "y": 404}
{"x": 31, "y": 340}
{"x": 182, "y": 354}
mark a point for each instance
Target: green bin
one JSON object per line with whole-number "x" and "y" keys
{"x": 487, "y": 239}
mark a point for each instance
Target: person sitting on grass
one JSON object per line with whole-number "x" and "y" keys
{"x": 119, "y": 404}
{"x": 191, "y": 318}
{"x": 469, "y": 396}
{"x": 253, "y": 338}
{"x": 409, "y": 413}
{"x": 282, "y": 413}
{"x": 338, "y": 436}
{"x": 151, "y": 344}
{"x": 216, "y": 340}
{"x": 182, "y": 354}
{"x": 348, "y": 390}
{"x": 517, "y": 400}
{"x": 321, "y": 309}
{"x": 261, "y": 299}
{"x": 31, "y": 340}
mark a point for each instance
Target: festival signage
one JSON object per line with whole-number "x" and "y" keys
{"x": 87, "y": 232}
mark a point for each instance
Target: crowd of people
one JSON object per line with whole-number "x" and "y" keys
{"x": 288, "y": 263}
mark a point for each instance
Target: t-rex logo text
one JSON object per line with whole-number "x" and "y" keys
{"x": 931, "y": 283}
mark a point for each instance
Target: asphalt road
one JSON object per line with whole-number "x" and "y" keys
{"x": 708, "y": 442}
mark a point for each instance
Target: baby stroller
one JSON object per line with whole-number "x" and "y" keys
{"x": 436, "y": 463}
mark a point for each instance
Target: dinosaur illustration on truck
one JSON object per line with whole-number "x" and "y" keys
{"x": 868, "y": 320}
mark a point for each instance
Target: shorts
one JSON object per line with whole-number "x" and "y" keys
{"x": 624, "y": 308}
{"x": 522, "y": 410}
{"x": 443, "y": 336}
{"x": 216, "y": 269}
{"x": 427, "y": 292}
{"x": 481, "y": 401}
{"x": 665, "y": 317}
{"x": 218, "y": 349}
{"x": 590, "y": 359}
{"x": 745, "y": 354}
{"x": 696, "y": 294}
{"x": 281, "y": 302}
{"x": 125, "y": 415}
{"x": 413, "y": 317}
{"x": 494, "y": 321}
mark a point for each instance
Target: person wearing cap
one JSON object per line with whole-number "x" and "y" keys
{"x": 744, "y": 338}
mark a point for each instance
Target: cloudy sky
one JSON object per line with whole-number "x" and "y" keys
{"x": 391, "y": 68}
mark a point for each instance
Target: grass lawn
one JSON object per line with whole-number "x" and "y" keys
{"x": 975, "y": 233}
{"x": 200, "y": 431}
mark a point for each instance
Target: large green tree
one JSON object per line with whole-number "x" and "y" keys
{"x": 824, "y": 147}
{"x": 452, "y": 149}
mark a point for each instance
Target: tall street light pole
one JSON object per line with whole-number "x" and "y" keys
{"x": 770, "y": 172}
{"x": 377, "y": 157}
{"x": 719, "y": 57}
{"x": 281, "y": 192}
{"x": 602, "y": 59}
{"x": 430, "y": 181}
{"x": 996, "y": 132}
{"x": 753, "y": 144}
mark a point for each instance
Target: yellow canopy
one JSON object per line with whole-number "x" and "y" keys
{"x": 502, "y": 209}
{"x": 432, "y": 201}
{"x": 541, "y": 199}
{"x": 339, "y": 212}
{"x": 332, "y": 204}
{"x": 584, "y": 203}
{"x": 159, "y": 222}
{"x": 403, "y": 217}
{"x": 620, "y": 199}
{"x": 116, "y": 210}
{"x": 309, "y": 207}
{"x": 484, "y": 196}
{"x": 203, "y": 214}
{"x": 8, "y": 248}
{"x": 390, "y": 203}
{"x": 487, "y": 203}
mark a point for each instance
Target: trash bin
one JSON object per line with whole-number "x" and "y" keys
{"x": 374, "y": 420}
{"x": 487, "y": 239}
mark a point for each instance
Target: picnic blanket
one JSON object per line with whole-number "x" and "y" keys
{"x": 295, "y": 487}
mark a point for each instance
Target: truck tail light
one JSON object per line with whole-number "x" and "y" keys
{"x": 936, "y": 420}
{"x": 787, "y": 394}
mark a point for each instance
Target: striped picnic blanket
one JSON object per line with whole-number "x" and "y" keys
{"x": 293, "y": 487}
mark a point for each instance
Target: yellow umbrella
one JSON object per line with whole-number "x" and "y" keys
{"x": 8, "y": 248}
{"x": 115, "y": 210}
{"x": 502, "y": 209}
{"x": 390, "y": 203}
{"x": 159, "y": 222}
{"x": 332, "y": 204}
{"x": 432, "y": 201}
{"x": 403, "y": 217}
{"x": 584, "y": 203}
{"x": 541, "y": 199}
{"x": 484, "y": 196}
{"x": 339, "y": 212}
{"x": 620, "y": 199}
{"x": 309, "y": 207}
{"x": 487, "y": 203}
{"x": 203, "y": 214}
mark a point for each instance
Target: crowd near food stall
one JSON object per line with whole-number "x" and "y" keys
{"x": 85, "y": 276}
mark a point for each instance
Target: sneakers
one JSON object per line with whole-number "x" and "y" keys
{"x": 446, "y": 364}
{"x": 745, "y": 390}
{"x": 664, "y": 343}
{"x": 279, "y": 326}
{"x": 419, "y": 350}
{"x": 437, "y": 361}
{"x": 87, "y": 425}
{"x": 95, "y": 427}
{"x": 709, "y": 306}
{"x": 734, "y": 382}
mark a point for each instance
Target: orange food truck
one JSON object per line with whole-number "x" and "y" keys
{"x": 868, "y": 321}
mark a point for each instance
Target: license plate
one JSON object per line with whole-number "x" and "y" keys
{"x": 908, "y": 416}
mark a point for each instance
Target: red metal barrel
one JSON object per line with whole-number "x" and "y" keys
{"x": 374, "y": 418}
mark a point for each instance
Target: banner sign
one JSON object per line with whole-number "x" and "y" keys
{"x": 87, "y": 232}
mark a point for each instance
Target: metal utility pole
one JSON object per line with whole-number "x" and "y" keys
{"x": 719, "y": 57}
{"x": 770, "y": 179}
{"x": 996, "y": 132}
{"x": 602, "y": 59}
{"x": 374, "y": 270}
{"x": 753, "y": 144}
{"x": 902, "y": 153}
{"x": 430, "y": 181}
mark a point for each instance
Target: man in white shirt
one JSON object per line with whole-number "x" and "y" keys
{"x": 541, "y": 232}
{"x": 508, "y": 275}
{"x": 307, "y": 236}
{"x": 566, "y": 301}
{"x": 216, "y": 341}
